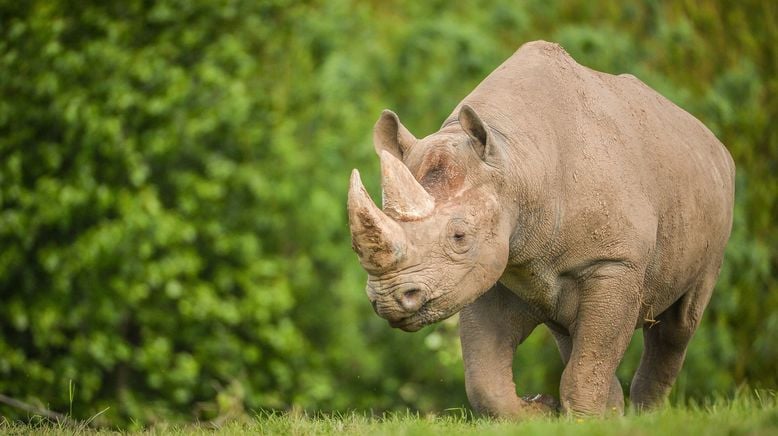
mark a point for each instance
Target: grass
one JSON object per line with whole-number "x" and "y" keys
{"x": 754, "y": 414}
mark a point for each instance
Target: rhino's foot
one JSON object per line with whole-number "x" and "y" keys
{"x": 542, "y": 403}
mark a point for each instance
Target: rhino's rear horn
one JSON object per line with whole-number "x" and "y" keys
{"x": 403, "y": 197}
{"x": 379, "y": 242}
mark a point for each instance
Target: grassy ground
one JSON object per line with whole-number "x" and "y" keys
{"x": 755, "y": 414}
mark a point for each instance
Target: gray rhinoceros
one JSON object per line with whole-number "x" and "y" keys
{"x": 556, "y": 195}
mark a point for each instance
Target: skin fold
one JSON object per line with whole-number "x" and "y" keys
{"x": 552, "y": 195}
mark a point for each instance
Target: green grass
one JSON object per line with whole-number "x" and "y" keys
{"x": 755, "y": 414}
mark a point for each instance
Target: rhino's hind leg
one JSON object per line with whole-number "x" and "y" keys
{"x": 490, "y": 329}
{"x": 615, "y": 403}
{"x": 664, "y": 345}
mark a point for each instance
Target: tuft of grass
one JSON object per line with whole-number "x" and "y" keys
{"x": 755, "y": 413}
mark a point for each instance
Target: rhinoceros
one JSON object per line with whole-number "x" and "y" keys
{"x": 553, "y": 194}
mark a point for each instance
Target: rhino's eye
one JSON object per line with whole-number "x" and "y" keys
{"x": 459, "y": 240}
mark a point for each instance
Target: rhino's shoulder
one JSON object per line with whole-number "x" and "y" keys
{"x": 541, "y": 47}
{"x": 543, "y": 51}
{"x": 541, "y": 62}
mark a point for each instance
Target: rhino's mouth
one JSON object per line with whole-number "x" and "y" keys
{"x": 426, "y": 315}
{"x": 408, "y": 324}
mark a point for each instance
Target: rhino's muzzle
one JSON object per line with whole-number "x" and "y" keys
{"x": 403, "y": 301}
{"x": 377, "y": 238}
{"x": 401, "y": 305}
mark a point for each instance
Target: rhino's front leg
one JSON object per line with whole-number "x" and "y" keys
{"x": 490, "y": 330}
{"x": 607, "y": 313}
{"x": 615, "y": 403}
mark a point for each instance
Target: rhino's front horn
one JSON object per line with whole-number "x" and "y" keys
{"x": 403, "y": 197}
{"x": 379, "y": 242}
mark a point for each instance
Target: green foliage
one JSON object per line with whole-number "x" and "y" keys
{"x": 173, "y": 238}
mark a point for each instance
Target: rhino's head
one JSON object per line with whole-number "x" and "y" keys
{"x": 442, "y": 238}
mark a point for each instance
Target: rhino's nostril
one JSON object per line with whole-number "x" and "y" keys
{"x": 412, "y": 300}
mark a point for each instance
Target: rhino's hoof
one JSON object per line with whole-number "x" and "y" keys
{"x": 542, "y": 402}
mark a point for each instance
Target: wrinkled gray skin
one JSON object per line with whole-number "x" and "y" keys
{"x": 552, "y": 195}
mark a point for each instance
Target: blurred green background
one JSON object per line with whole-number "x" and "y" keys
{"x": 173, "y": 175}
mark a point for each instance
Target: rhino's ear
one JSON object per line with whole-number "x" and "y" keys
{"x": 389, "y": 134}
{"x": 478, "y": 131}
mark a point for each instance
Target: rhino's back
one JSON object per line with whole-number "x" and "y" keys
{"x": 541, "y": 94}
